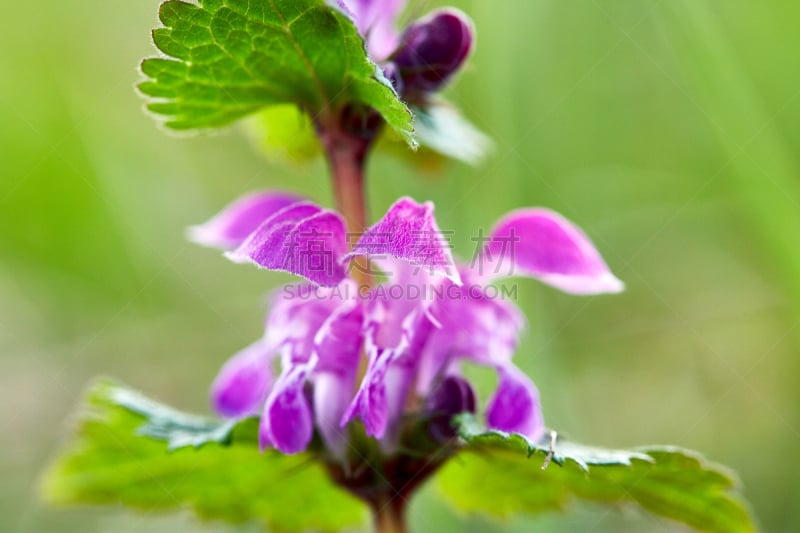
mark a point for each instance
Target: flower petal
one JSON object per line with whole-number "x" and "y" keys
{"x": 515, "y": 406}
{"x": 393, "y": 359}
{"x": 287, "y": 422}
{"x": 472, "y": 325}
{"x": 297, "y": 313}
{"x": 375, "y": 20}
{"x": 544, "y": 245}
{"x": 242, "y": 385}
{"x": 369, "y": 403}
{"x": 338, "y": 346}
{"x": 408, "y": 231}
{"x": 233, "y": 224}
{"x": 303, "y": 239}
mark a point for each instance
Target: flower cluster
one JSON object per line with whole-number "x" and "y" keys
{"x": 347, "y": 353}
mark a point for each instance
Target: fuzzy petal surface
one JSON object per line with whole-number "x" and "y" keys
{"x": 409, "y": 232}
{"x": 230, "y": 228}
{"x": 544, "y": 245}
{"x": 303, "y": 239}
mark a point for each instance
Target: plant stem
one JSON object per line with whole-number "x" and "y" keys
{"x": 346, "y": 155}
{"x": 389, "y": 516}
{"x": 346, "y": 158}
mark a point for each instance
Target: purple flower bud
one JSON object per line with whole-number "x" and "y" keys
{"x": 453, "y": 396}
{"x": 432, "y": 49}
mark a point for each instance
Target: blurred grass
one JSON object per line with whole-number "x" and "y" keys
{"x": 667, "y": 129}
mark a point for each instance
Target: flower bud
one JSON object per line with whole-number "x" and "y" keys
{"x": 432, "y": 49}
{"x": 454, "y": 395}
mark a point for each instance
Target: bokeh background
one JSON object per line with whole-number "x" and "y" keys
{"x": 668, "y": 129}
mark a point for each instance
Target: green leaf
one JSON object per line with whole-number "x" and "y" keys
{"x": 501, "y": 474}
{"x": 178, "y": 429}
{"x": 230, "y": 58}
{"x": 120, "y": 456}
{"x": 284, "y": 133}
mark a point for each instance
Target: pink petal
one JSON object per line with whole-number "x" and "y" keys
{"x": 370, "y": 401}
{"x": 233, "y": 224}
{"x": 297, "y": 313}
{"x": 408, "y": 231}
{"x": 472, "y": 326}
{"x": 393, "y": 359}
{"x": 338, "y": 344}
{"x": 544, "y": 245}
{"x": 376, "y": 20}
{"x": 287, "y": 423}
{"x": 243, "y": 382}
{"x": 515, "y": 406}
{"x": 303, "y": 239}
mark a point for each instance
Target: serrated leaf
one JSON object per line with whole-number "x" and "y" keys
{"x": 178, "y": 429}
{"x": 120, "y": 456}
{"x": 230, "y": 58}
{"x": 501, "y": 474}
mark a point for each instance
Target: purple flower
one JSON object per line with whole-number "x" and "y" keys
{"x": 376, "y": 21}
{"x": 427, "y": 53}
{"x": 433, "y": 49}
{"x": 416, "y": 329}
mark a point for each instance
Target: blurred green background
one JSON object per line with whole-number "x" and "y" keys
{"x": 667, "y": 129}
